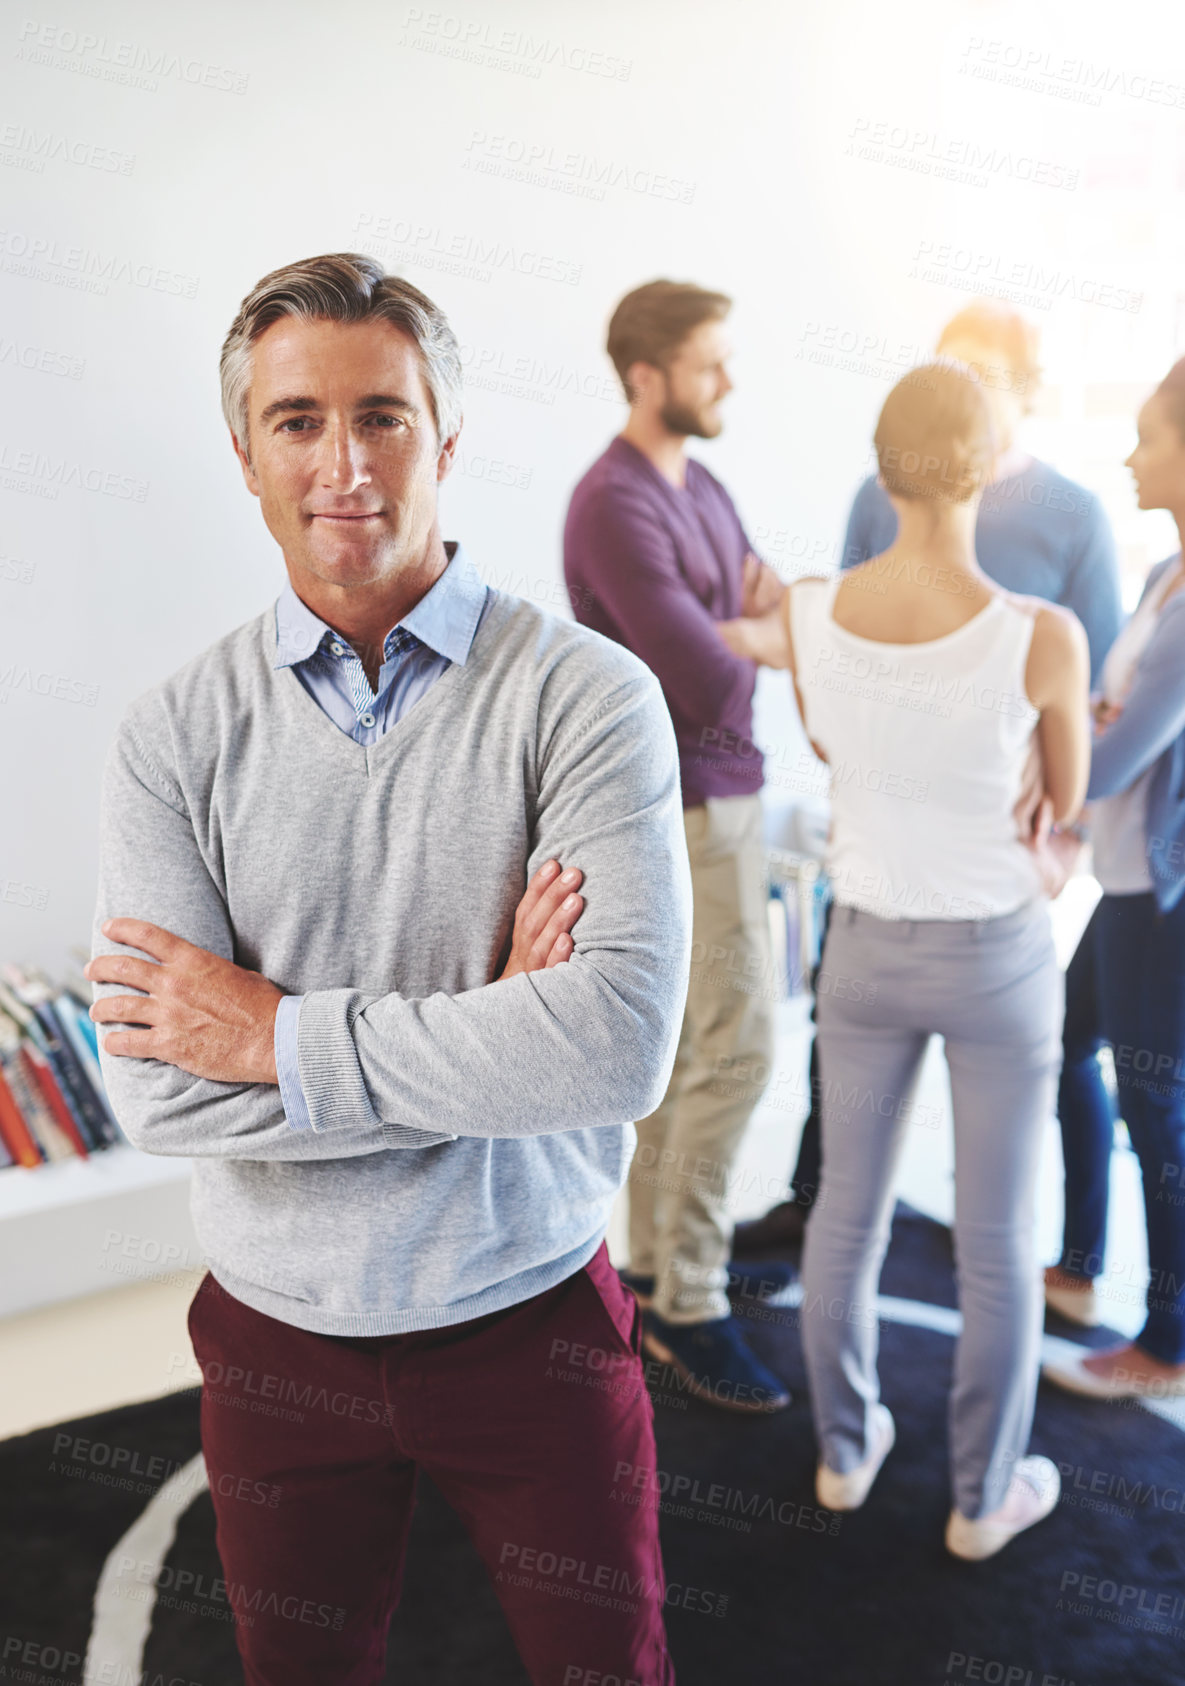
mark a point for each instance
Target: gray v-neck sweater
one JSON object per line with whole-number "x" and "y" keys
{"x": 468, "y": 1137}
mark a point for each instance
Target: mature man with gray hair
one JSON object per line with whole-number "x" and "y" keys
{"x": 340, "y": 855}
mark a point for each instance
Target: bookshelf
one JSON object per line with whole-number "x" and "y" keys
{"x": 81, "y": 1211}
{"x": 85, "y": 1226}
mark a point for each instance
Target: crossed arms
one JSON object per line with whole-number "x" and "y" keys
{"x": 584, "y": 1043}
{"x": 214, "y": 1019}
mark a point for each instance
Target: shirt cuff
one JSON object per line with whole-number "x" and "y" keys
{"x": 287, "y": 1069}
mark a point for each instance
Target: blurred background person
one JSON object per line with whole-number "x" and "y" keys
{"x": 1126, "y": 983}
{"x": 940, "y": 906}
{"x": 654, "y": 556}
{"x": 1038, "y": 533}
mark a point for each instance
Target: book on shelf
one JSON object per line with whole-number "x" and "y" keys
{"x": 56, "y": 1127}
{"x": 53, "y": 1106}
{"x": 15, "y": 1103}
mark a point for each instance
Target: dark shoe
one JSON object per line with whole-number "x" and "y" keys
{"x": 764, "y": 1283}
{"x": 783, "y": 1225}
{"x": 641, "y": 1287}
{"x": 770, "y": 1283}
{"x": 714, "y": 1361}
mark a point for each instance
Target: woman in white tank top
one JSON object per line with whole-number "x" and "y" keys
{"x": 927, "y": 689}
{"x": 927, "y": 743}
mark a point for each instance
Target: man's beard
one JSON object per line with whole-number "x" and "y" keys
{"x": 693, "y": 424}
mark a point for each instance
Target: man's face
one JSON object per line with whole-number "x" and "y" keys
{"x": 1007, "y": 392}
{"x": 342, "y": 450}
{"x": 696, "y": 381}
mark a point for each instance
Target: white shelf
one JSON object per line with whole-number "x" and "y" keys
{"x": 114, "y": 1170}
{"x": 85, "y": 1226}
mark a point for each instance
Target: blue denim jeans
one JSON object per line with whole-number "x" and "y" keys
{"x": 1126, "y": 986}
{"x": 1086, "y": 1111}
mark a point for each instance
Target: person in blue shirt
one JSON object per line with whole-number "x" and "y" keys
{"x": 1037, "y": 533}
{"x": 1126, "y": 982}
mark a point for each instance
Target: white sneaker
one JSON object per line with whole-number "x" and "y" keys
{"x": 1032, "y": 1493}
{"x": 849, "y": 1491}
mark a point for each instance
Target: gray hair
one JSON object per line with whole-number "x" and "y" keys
{"x": 343, "y": 287}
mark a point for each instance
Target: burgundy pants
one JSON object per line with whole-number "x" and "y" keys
{"x": 533, "y": 1422}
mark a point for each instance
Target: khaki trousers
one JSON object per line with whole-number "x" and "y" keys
{"x": 680, "y": 1232}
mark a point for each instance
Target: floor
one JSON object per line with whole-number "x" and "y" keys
{"x": 114, "y": 1348}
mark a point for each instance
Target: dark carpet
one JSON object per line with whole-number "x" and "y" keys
{"x": 765, "y": 1587}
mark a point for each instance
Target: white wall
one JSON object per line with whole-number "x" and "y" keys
{"x": 247, "y": 135}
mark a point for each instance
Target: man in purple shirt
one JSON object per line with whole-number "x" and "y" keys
{"x": 654, "y": 556}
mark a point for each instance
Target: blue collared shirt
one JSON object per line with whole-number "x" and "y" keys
{"x": 437, "y": 632}
{"x": 424, "y": 644}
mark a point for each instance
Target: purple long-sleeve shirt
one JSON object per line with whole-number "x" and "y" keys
{"x": 655, "y": 566}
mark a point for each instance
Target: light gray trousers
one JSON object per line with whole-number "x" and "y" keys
{"x": 993, "y": 990}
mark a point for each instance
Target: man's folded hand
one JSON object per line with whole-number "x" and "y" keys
{"x": 197, "y": 1011}
{"x": 761, "y": 587}
{"x": 543, "y": 921}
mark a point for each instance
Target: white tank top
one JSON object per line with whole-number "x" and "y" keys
{"x": 926, "y": 745}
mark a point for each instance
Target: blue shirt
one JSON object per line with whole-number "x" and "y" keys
{"x": 433, "y": 635}
{"x": 1037, "y": 533}
{"x": 1150, "y": 732}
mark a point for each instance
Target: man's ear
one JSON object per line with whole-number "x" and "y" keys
{"x": 444, "y": 460}
{"x": 245, "y": 465}
{"x": 641, "y": 379}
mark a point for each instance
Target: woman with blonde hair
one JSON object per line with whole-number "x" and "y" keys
{"x": 915, "y": 671}
{"x": 1037, "y": 532}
